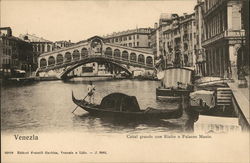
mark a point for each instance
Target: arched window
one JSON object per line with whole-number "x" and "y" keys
{"x": 34, "y": 48}
{"x": 141, "y": 59}
{"x": 125, "y": 55}
{"x": 133, "y": 57}
{"x": 76, "y": 55}
{"x": 43, "y": 62}
{"x": 59, "y": 59}
{"x": 48, "y": 48}
{"x": 67, "y": 57}
{"x": 39, "y": 48}
{"x": 117, "y": 53}
{"x": 185, "y": 46}
{"x": 108, "y": 52}
{"x": 84, "y": 52}
{"x": 149, "y": 61}
{"x": 51, "y": 61}
{"x": 43, "y": 48}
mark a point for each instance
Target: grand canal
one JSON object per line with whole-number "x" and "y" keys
{"x": 46, "y": 107}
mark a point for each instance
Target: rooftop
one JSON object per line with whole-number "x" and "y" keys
{"x": 138, "y": 30}
{"x": 33, "y": 38}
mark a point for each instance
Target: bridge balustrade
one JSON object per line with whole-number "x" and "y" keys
{"x": 51, "y": 65}
{"x": 150, "y": 64}
{"x": 141, "y": 60}
{"x": 59, "y": 63}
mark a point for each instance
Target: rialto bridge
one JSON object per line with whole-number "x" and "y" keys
{"x": 60, "y": 62}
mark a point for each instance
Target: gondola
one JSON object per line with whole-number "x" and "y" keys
{"x": 119, "y": 105}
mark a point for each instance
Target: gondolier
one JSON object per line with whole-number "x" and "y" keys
{"x": 91, "y": 92}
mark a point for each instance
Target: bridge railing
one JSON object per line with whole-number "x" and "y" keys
{"x": 97, "y": 56}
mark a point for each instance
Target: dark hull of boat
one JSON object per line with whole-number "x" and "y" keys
{"x": 163, "y": 94}
{"x": 143, "y": 114}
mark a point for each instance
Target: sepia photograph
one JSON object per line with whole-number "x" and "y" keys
{"x": 124, "y": 81}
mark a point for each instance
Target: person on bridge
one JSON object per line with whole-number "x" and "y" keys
{"x": 91, "y": 92}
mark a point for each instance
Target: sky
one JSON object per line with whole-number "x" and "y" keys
{"x": 79, "y": 20}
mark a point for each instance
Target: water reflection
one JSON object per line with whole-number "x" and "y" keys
{"x": 113, "y": 124}
{"x": 47, "y": 106}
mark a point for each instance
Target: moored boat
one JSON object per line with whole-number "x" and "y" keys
{"x": 119, "y": 105}
{"x": 175, "y": 83}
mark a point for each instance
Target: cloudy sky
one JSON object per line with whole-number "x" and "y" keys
{"x": 78, "y": 20}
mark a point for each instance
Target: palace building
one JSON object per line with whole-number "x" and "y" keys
{"x": 224, "y": 38}
{"x": 136, "y": 38}
{"x": 174, "y": 39}
{"x": 15, "y": 54}
{"x": 199, "y": 50}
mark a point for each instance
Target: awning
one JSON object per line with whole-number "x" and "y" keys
{"x": 175, "y": 76}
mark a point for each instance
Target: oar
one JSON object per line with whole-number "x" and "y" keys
{"x": 77, "y": 105}
{"x": 83, "y": 99}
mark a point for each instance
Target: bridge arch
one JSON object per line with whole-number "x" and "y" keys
{"x": 132, "y": 57}
{"x": 43, "y": 62}
{"x": 117, "y": 53}
{"x": 67, "y": 57}
{"x": 84, "y": 52}
{"x": 91, "y": 60}
{"x": 59, "y": 59}
{"x": 141, "y": 59}
{"x": 108, "y": 51}
{"x": 125, "y": 55}
{"x": 76, "y": 55}
{"x": 51, "y": 61}
{"x": 149, "y": 61}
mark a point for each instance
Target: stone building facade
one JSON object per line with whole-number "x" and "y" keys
{"x": 224, "y": 38}
{"x": 39, "y": 45}
{"x": 14, "y": 53}
{"x": 199, "y": 50}
{"x": 174, "y": 39}
{"x": 188, "y": 40}
{"x": 136, "y": 38}
{"x": 62, "y": 44}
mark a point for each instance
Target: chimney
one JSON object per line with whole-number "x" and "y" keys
{"x": 9, "y": 31}
{"x": 156, "y": 25}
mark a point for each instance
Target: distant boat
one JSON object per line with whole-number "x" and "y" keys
{"x": 175, "y": 83}
{"x": 119, "y": 105}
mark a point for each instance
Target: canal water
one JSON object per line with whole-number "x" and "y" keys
{"x": 46, "y": 107}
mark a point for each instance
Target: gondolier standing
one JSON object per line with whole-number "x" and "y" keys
{"x": 91, "y": 92}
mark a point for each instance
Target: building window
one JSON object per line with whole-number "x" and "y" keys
{"x": 129, "y": 37}
{"x": 137, "y": 43}
{"x": 130, "y": 44}
{"x": 116, "y": 40}
{"x": 137, "y": 36}
{"x": 133, "y": 36}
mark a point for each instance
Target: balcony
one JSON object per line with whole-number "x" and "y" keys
{"x": 228, "y": 34}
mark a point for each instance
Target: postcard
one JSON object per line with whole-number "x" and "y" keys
{"x": 124, "y": 81}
